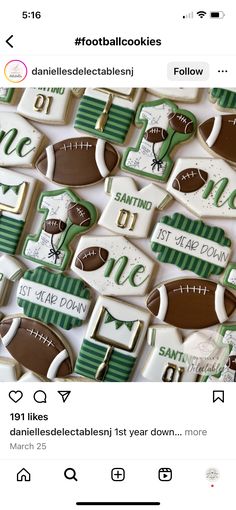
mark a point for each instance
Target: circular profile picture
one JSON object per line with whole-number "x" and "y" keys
{"x": 15, "y": 71}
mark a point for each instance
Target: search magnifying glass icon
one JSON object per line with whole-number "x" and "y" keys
{"x": 70, "y": 474}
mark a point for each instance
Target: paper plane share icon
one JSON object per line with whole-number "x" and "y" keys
{"x": 64, "y": 395}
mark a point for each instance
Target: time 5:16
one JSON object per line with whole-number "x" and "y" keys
{"x": 31, "y": 15}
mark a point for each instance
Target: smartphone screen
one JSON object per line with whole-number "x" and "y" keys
{"x": 117, "y": 256}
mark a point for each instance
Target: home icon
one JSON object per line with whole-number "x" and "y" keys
{"x": 23, "y": 476}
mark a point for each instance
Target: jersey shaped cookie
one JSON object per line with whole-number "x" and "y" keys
{"x": 218, "y": 135}
{"x": 181, "y": 94}
{"x": 78, "y": 161}
{"x": 53, "y": 298}
{"x": 20, "y": 142}
{"x": 191, "y": 245}
{"x": 112, "y": 265}
{"x": 164, "y": 126}
{"x": 174, "y": 359}
{"x": 226, "y": 338}
{"x": 224, "y": 99}
{"x": 10, "y": 271}
{"x": 16, "y": 194}
{"x": 108, "y": 113}
{"x": 206, "y": 186}
{"x": 191, "y": 303}
{"x": 65, "y": 216}
{"x": 113, "y": 341}
{"x": 47, "y": 105}
{"x": 129, "y": 211}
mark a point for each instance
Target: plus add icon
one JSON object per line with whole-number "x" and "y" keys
{"x": 118, "y": 474}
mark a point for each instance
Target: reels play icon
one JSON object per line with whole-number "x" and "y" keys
{"x": 165, "y": 474}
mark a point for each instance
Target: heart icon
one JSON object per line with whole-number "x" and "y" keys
{"x": 15, "y": 395}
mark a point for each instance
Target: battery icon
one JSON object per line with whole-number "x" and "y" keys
{"x": 217, "y": 14}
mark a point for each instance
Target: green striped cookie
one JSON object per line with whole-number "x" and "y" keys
{"x": 117, "y": 125}
{"x": 91, "y": 356}
{"x": 225, "y": 99}
{"x": 191, "y": 245}
{"x": 10, "y": 233}
{"x": 53, "y": 298}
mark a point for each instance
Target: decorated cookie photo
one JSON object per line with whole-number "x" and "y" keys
{"x": 191, "y": 244}
{"x": 173, "y": 358}
{"x": 206, "y": 186}
{"x": 112, "y": 265}
{"x": 36, "y": 346}
{"x": 218, "y": 135}
{"x": 20, "y": 142}
{"x": 7, "y": 95}
{"x": 164, "y": 126}
{"x": 226, "y": 338}
{"x": 10, "y": 370}
{"x": 47, "y": 105}
{"x": 113, "y": 341}
{"x": 108, "y": 113}
{"x": 224, "y": 99}
{"x": 130, "y": 211}
{"x": 229, "y": 277}
{"x": 78, "y": 162}
{"x": 181, "y": 94}
{"x": 191, "y": 303}
{"x": 11, "y": 269}
{"x": 53, "y": 298}
{"x": 16, "y": 196}
{"x": 66, "y": 215}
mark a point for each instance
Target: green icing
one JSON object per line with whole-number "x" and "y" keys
{"x": 9, "y": 138}
{"x": 174, "y": 138}
{"x": 121, "y": 264}
{"x": 219, "y": 188}
{"x": 189, "y": 261}
{"x": 118, "y": 323}
{"x": 67, "y": 235}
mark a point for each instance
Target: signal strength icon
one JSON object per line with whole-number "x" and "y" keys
{"x": 189, "y": 15}
{"x": 201, "y": 14}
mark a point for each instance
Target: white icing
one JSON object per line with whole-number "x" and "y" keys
{"x": 50, "y": 162}
{"x": 206, "y": 207}
{"x": 219, "y": 304}
{"x": 117, "y": 247}
{"x": 153, "y": 196}
{"x": 10, "y": 270}
{"x": 118, "y": 101}
{"x": 8, "y": 337}
{"x": 180, "y": 93}
{"x": 215, "y": 131}
{"x": 100, "y": 159}
{"x": 191, "y": 244}
{"x": 9, "y": 370}
{"x": 163, "y": 303}
{"x": 56, "y": 363}
{"x": 63, "y": 302}
{"x": 125, "y": 312}
{"x": 54, "y": 105}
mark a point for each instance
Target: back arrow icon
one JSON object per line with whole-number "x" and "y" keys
{"x": 8, "y": 41}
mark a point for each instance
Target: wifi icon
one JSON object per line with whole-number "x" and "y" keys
{"x": 201, "y": 14}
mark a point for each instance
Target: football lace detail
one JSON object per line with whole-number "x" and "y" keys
{"x": 195, "y": 289}
{"x": 76, "y": 145}
{"x": 40, "y": 336}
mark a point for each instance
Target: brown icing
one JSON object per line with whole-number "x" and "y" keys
{"x": 189, "y": 180}
{"x": 79, "y": 214}
{"x": 91, "y": 258}
{"x": 181, "y": 123}
{"x": 75, "y": 163}
{"x": 155, "y": 135}
{"x": 225, "y": 144}
{"x": 54, "y": 226}
{"x": 29, "y": 349}
{"x": 188, "y": 308}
